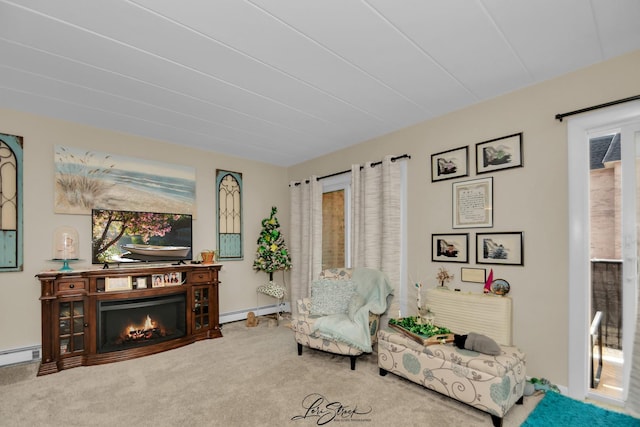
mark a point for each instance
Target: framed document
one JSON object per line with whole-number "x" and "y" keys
{"x": 473, "y": 203}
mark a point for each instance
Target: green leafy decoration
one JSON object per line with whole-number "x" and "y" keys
{"x": 409, "y": 323}
{"x": 272, "y": 253}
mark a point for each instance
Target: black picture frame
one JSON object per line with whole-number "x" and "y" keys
{"x": 450, "y": 247}
{"x": 450, "y": 164}
{"x": 502, "y": 248}
{"x": 499, "y": 154}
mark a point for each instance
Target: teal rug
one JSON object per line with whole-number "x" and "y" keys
{"x": 557, "y": 410}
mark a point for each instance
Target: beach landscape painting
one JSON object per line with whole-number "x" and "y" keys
{"x": 90, "y": 179}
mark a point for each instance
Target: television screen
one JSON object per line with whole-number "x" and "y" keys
{"x": 129, "y": 236}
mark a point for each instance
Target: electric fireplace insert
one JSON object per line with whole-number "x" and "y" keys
{"x": 125, "y": 324}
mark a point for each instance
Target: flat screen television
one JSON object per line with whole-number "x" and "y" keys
{"x": 130, "y": 236}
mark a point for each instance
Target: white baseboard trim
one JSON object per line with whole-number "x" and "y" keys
{"x": 234, "y": 316}
{"x": 20, "y": 355}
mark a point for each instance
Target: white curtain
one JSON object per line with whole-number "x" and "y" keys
{"x": 376, "y": 222}
{"x": 632, "y": 402}
{"x": 306, "y": 242}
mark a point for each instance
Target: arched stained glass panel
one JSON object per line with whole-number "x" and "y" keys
{"x": 10, "y": 203}
{"x": 229, "y": 218}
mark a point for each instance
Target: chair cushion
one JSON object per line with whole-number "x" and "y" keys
{"x": 331, "y": 296}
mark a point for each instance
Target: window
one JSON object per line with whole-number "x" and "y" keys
{"x": 229, "y": 187}
{"x": 335, "y": 221}
{"x": 10, "y": 203}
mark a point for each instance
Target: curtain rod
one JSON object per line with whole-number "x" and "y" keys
{"x": 393, "y": 159}
{"x": 596, "y": 107}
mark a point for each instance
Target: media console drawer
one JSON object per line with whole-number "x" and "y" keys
{"x": 64, "y": 286}
{"x": 204, "y": 276}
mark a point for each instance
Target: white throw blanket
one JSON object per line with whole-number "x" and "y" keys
{"x": 374, "y": 287}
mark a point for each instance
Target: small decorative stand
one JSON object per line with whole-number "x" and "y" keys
{"x": 65, "y": 264}
{"x": 274, "y": 290}
{"x": 65, "y": 246}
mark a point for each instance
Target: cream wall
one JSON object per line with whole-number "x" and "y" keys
{"x": 264, "y": 186}
{"x": 532, "y": 199}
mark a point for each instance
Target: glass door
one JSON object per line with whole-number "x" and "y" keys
{"x": 605, "y": 254}
{"x": 603, "y": 189}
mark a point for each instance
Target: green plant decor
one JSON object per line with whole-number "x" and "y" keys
{"x": 544, "y": 385}
{"x": 272, "y": 253}
{"x": 410, "y": 324}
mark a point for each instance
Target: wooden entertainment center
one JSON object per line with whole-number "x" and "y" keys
{"x": 73, "y": 328}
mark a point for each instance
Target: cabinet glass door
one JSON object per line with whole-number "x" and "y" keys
{"x": 71, "y": 327}
{"x": 201, "y": 307}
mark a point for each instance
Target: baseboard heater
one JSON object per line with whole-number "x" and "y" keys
{"x": 234, "y": 316}
{"x": 20, "y": 355}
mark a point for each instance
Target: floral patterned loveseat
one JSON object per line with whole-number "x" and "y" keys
{"x": 357, "y": 308}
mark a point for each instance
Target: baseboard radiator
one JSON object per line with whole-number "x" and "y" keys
{"x": 488, "y": 315}
{"x": 233, "y": 316}
{"x": 20, "y": 355}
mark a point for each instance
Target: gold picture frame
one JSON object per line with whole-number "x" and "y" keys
{"x": 118, "y": 284}
{"x": 473, "y": 275}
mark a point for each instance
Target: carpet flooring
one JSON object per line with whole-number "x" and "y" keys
{"x": 250, "y": 377}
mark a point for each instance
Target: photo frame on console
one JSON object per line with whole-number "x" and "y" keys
{"x": 175, "y": 279}
{"x": 157, "y": 281}
{"x": 118, "y": 284}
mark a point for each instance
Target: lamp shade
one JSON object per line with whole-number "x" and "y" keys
{"x": 65, "y": 243}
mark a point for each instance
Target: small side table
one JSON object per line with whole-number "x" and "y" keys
{"x": 274, "y": 290}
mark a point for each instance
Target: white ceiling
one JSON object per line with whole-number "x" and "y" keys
{"x": 284, "y": 81}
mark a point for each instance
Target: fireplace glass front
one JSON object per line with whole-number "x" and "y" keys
{"x": 124, "y": 324}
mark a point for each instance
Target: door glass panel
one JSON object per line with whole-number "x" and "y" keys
{"x": 605, "y": 218}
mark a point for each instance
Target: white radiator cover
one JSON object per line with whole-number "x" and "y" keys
{"x": 485, "y": 314}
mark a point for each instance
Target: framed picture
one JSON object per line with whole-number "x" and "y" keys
{"x": 118, "y": 284}
{"x": 500, "y": 248}
{"x": 500, "y": 153}
{"x": 473, "y": 203}
{"x": 450, "y": 247}
{"x": 473, "y": 275}
{"x": 450, "y": 164}
{"x": 157, "y": 281}
{"x": 174, "y": 279}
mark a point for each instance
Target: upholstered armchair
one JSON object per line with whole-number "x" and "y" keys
{"x": 342, "y": 316}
